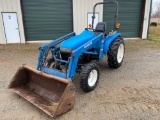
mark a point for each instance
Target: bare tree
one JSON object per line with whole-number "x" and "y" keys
{"x": 152, "y": 10}
{"x": 157, "y": 12}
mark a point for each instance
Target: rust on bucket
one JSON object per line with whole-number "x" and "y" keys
{"x": 52, "y": 94}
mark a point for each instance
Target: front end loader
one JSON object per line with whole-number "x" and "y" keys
{"x": 50, "y": 86}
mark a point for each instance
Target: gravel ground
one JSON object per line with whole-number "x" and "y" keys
{"x": 129, "y": 92}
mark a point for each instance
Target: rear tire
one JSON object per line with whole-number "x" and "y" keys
{"x": 116, "y": 53}
{"x": 89, "y": 77}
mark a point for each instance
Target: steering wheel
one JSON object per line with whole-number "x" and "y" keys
{"x": 89, "y": 29}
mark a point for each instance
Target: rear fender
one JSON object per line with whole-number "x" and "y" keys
{"x": 109, "y": 40}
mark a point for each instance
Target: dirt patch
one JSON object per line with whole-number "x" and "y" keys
{"x": 130, "y": 92}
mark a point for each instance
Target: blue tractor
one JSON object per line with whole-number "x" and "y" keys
{"x": 62, "y": 58}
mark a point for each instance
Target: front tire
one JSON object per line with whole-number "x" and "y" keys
{"x": 50, "y": 62}
{"x": 89, "y": 77}
{"x": 116, "y": 53}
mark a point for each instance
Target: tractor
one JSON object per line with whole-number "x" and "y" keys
{"x": 50, "y": 86}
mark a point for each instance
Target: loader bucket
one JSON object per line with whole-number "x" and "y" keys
{"x": 51, "y": 94}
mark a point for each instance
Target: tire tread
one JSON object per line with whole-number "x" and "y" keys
{"x": 86, "y": 69}
{"x": 112, "y": 53}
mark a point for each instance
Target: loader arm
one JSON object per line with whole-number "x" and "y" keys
{"x": 44, "y": 49}
{"x": 79, "y": 51}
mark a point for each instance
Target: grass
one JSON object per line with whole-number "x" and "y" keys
{"x": 154, "y": 33}
{"x": 136, "y": 45}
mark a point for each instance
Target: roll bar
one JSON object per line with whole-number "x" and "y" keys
{"x": 108, "y": 2}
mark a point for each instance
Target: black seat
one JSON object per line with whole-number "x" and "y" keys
{"x": 101, "y": 27}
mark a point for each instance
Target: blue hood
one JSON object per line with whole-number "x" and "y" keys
{"x": 78, "y": 40}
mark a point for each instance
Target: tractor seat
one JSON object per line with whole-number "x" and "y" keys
{"x": 100, "y": 28}
{"x": 72, "y": 43}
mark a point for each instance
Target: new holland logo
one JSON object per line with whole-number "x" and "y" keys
{"x": 88, "y": 45}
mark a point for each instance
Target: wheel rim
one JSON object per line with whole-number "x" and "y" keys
{"x": 120, "y": 53}
{"x": 92, "y": 78}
